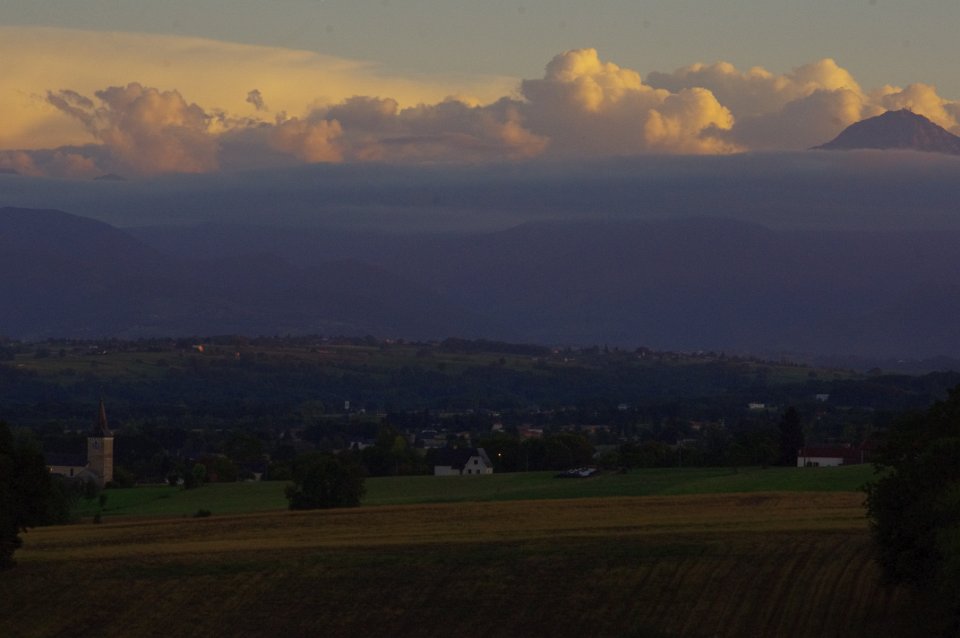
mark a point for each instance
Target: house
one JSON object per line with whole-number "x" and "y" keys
{"x": 468, "y": 461}
{"x": 69, "y": 466}
{"x": 831, "y": 455}
{"x": 98, "y": 464}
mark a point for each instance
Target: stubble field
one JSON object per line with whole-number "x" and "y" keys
{"x": 745, "y": 564}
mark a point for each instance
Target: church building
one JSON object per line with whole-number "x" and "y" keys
{"x": 98, "y": 464}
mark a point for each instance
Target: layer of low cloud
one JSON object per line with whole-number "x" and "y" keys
{"x": 852, "y": 190}
{"x": 582, "y": 106}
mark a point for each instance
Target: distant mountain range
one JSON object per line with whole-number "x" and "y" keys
{"x": 690, "y": 284}
{"x": 63, "y": 275}
{"x": 901, "y": 129}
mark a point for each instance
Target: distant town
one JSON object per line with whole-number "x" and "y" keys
{"x": 245, "y": 408}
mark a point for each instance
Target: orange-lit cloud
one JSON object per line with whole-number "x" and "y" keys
{"x": 139, "y": 105}
{"x": 582, "y": 106}
{"x": 311, "y": 142}
{"x": 218, "y": 75}
{"x": 145, "y": 130}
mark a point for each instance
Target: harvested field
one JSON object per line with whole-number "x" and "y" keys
{"x": 758, "y": 564}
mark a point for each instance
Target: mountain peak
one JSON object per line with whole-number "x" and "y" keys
{"x": 901, "y": 129}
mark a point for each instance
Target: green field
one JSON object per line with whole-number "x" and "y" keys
{"x": 235, "y": 498}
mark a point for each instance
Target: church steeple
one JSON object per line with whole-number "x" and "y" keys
{"x": 100, "y": 448}
{"x": 101, "y": 428}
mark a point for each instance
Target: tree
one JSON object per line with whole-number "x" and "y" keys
{"x": 27, "y": 494}
{"x": 914, "y": 506}
{"x": 196, "y": 477}
{"x": 323, "y": 481}
{"x": 791, "y": 436}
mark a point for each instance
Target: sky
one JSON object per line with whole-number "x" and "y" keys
{"x": 143, "y": 89}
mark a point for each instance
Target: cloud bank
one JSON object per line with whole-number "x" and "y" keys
{"x": 218, "y": 75}
{"x": 582, "y": 106}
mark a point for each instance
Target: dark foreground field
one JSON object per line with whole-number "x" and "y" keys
{"x": 757, "y": 564}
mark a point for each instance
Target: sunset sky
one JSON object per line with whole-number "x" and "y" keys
{"x": 206, "y": 86}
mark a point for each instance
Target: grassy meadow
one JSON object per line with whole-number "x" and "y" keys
{"x": 235, "y": 498}
{"x": 744, "y": 564}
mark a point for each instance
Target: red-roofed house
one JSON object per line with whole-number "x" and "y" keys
{"x": 831, "y": 455}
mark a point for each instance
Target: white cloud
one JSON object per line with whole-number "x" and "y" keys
{"x": 923, "y": 100}
{"x": 807, "y": 106}
{"x": 587, "y": 106}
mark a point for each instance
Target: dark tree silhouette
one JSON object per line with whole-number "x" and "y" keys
{"x": 324, "y": 481}
{"x": 27, "y": 493}
{"x": 791, "y": 436}
{"x": 914, "y": 506}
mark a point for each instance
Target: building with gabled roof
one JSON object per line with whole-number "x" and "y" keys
{"x": 468, "y": 461}
{"x": 98, "y": 464}
{"x": 832, "y": 455}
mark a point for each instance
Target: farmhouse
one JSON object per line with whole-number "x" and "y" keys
{"x": 98, "y": 464}
{"x": 831, "y": 456}
{"x": 462, "y": 461}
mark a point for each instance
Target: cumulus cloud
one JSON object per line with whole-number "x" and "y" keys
{"x": 212, "y": 73}
{"x": 923, "y": 100}
{"x": 311, "y": 142}
{"x": 586, "y": 106}
{"x": 582, "y": 106}
{"x": 802, "y": 108}
{"x": 144, "y": 129}
{"x": 757, "y": 91}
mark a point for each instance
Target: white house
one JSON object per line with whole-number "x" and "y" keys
{"x": 830, "y": 456}
{"x": 462, "y": 462}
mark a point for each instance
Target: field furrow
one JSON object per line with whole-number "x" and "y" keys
{"x": 700, "y": 566}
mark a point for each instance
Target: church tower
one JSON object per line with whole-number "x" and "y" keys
{"x": 100, "y": 449}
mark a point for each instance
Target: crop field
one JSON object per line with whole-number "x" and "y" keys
{"x": 235, "y": 498}
{"x": 747, "y": 564}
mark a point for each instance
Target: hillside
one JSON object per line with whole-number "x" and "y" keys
{"x": 154, "y": 380}
{"x": 683, "y": 284}
{"x": 78, "y": 278}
